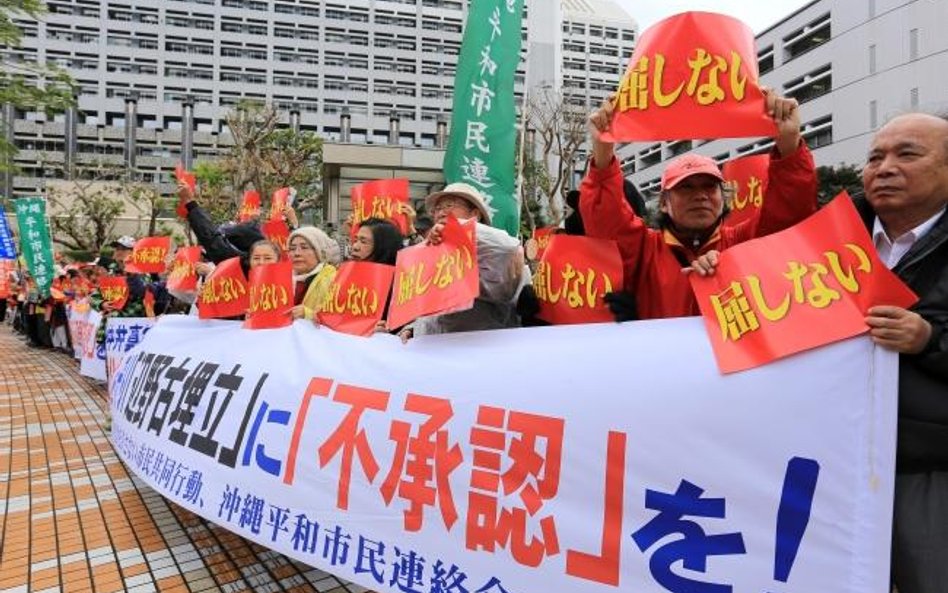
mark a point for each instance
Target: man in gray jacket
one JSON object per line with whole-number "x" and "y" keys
{"x": 500, "y": 266}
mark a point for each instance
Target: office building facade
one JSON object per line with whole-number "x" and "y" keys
{"x": 156, "y": 78}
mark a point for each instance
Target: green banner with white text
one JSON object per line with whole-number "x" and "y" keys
{"x": 482, "y": 147}
{"x": 35, "y": 244}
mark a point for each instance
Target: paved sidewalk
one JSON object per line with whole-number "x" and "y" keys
{"x": 74, "y": 519}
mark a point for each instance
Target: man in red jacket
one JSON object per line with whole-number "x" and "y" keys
{"x": 692, "y": 205}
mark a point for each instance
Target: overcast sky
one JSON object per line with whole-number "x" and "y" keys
{"x": 758, "y": 14}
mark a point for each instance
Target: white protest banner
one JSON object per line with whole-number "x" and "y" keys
{"x": 122, "y": 334}
{"x": 92, "y": 362}
{"x": 77, "y": 314}
{"x": 587, "y": 458}
{"x": 83, "y": 325}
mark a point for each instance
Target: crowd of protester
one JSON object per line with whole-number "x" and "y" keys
{"x": 906, "y": 192}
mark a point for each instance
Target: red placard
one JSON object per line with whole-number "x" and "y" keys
{"x": 692, "y": 75}
{"x": 278, "y": 202}
{"x": 224, "y": 293}
{"x": 183, "y": 276}
{"x": 271, "y": 296}
{"x": 747, "y": 179}
{"x": 114, "y": 291}
{"x": 188, "y": 180}
{"x": 6, "y": 266}
{"x": 148, "y": 256}
{"x": 149, "y": 302}
{"x": 82, "y": 287}
{"x": 809, "y": 285}
{"x": 432, "y": 279}
{"x": 356, "y": 298}
{"x": 542, "y": 236}
{"x": 57, "y": 290}
{"x": 249, "y": 207}
{"x": 572, "y": 278}
{"x": 277, "y": 231}
{"x": 380, "y": 199}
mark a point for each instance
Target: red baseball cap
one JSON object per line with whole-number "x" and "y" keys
{"x": 688, "y": 165}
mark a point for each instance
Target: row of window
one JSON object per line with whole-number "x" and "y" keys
{"x": 574, "y": 28}
{"x": 797, "y": 42}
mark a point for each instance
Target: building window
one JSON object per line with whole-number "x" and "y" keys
{"x": 818, "y": 132}
{"x": 872, "y": 59}
{"x": 677, "y": 148}
{"x": 913, "y": 44}
{"x": 873, "y": 115}
{"x": 650, "y": 156}
{"x": 765, "y": 60}
{"x": 913, "y": 98}
{"x": 811, "y": 85}
{"x": 806, "y": 38}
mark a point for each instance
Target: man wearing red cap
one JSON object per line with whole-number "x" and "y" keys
{"x": 692, "y": 207}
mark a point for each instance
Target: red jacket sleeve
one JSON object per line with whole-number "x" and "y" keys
{"x": 607, "y": 215}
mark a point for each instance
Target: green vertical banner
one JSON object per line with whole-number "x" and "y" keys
{"x": 35, "y": 244}
{"x": 482, "y": 147}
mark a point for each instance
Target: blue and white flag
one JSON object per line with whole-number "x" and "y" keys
{"x": 7, "y": 245}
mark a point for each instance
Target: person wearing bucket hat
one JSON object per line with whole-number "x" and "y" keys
{"x": 500, "y": 265}
{"x": 692, "y": 209}
{"x": 314, "y": 256}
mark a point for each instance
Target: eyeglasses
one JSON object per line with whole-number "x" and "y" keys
{"x": 448, "y": 203}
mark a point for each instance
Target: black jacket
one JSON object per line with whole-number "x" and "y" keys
{"x": 923, "y": 377}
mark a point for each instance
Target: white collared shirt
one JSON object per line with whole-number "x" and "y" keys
{"x": 890, "y": 252}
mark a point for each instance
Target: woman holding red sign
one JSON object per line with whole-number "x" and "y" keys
{"x": 312, "y": 254}
{"x": 377, "y": 241}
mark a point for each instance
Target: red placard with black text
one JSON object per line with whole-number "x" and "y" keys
{"x": 572, "y": 277}
{"x": 271, "y": 296}
{"x": 149, "y": 256}
{"x": 692, "y": 75}
{"x": 356, "y": 298}
{"x": 809, "y": 285}
{"x": 224, "y": 293}
{"x": 383, "y": 199}
{"x": 432, "y": 279}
